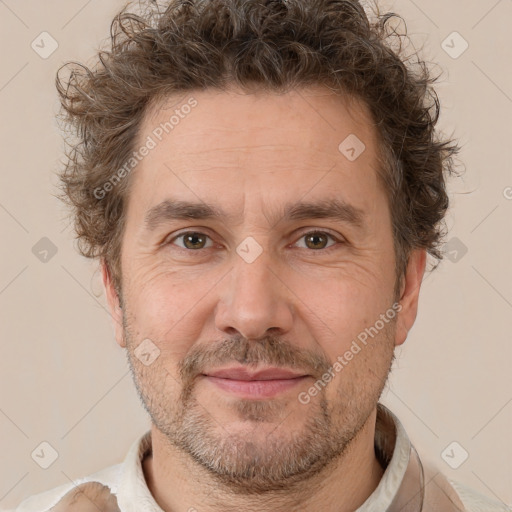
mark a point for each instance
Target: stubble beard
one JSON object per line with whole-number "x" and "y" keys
{"x": 282, "y": 459}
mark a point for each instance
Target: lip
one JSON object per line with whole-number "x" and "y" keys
{"x": 250, "y": 385}
{"x": 243, "y": 374}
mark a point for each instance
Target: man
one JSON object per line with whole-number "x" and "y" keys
{"x": 262, "y": 182}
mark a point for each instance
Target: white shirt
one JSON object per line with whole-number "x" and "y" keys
{"x": 126, "y": 480}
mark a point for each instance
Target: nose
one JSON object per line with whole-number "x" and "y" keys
{"x": 254, "y": 302}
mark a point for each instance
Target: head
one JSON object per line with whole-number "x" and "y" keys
{"x": 262, "y": 183}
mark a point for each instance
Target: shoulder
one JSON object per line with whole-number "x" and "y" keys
{"x": 100, "y": 485}
{"x": 475, "y": 502}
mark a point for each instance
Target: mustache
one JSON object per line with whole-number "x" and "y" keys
{"x": 270, "y": 350}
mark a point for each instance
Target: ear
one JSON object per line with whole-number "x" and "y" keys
{"x": 113, "y": 303}
{"x": 409, "y": 294}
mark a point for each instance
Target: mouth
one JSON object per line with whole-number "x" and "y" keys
{"x": 261, "y": 384}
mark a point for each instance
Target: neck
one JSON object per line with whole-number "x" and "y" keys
{"x": 179, "y": 483}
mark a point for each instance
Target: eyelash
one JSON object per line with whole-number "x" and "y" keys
{"x": 314, "y": 232}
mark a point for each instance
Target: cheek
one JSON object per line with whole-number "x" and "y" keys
{"x": 345, "y": 308}
{"x": 165, "y": 307}
{"x": 362, "y": 365}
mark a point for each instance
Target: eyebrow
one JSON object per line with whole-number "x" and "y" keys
{"x": 329, "y": 209}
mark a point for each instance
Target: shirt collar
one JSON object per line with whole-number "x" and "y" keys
{"x": 392, "y": 446}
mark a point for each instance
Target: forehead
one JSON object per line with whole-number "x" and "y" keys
{"x": 315, "y": 116}
{"x": 269, "y": 146}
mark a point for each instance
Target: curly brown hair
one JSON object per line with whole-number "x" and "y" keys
{"x": 276, "y": 45}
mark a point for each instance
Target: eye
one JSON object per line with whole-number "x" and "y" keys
{"x": 195, "y": 240}
{"x": 315, "y": 240}
{"x": 192, "y": 240}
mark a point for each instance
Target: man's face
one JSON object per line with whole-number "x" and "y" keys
{"x": 218, "y": 299}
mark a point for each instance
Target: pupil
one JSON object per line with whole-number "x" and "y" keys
{"x": 314, "y": 237}
{"x": 192, "y": 237}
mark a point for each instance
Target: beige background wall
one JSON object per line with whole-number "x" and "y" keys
{"x": 63, "y": 379}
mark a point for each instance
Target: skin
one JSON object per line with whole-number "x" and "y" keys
{"x": 299, "y": 305}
